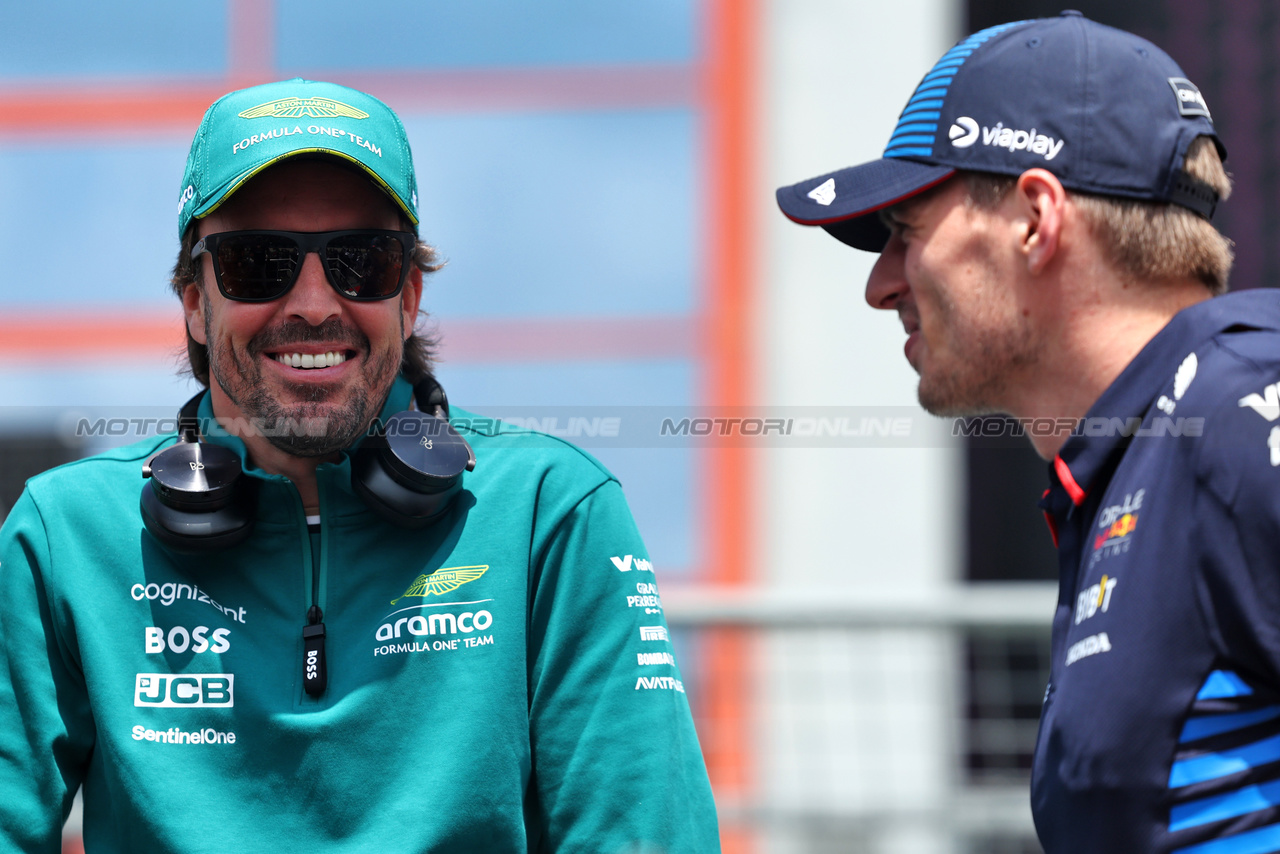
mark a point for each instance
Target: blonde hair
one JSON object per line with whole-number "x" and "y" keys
{"x": 1146, "y": 240}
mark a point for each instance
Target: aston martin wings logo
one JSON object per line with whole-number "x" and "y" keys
{"x": 292, "y": 108}
{"x": 442, "y": 581}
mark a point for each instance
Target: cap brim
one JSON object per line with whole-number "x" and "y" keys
{"x": 222, "y": 194}
{"x": 855, "y": 195}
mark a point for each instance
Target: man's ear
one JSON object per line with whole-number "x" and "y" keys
{"x": 193, "y": 308}
{"x": 1041, "y": 199}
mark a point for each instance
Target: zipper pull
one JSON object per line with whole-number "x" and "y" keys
{"x": 315, "y": 676}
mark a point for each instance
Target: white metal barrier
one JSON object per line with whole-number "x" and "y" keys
{"x": 863, "y": 717}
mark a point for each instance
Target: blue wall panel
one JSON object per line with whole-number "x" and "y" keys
{"x": 386, "y": 34}
{"x": 55, "y": 39}
{"x": 540, "y": 214}
{"x": 87, "y": 222}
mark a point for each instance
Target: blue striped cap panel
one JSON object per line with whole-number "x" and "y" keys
{"x": 918, "y": 125}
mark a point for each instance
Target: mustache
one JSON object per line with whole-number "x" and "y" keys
{"x": 908, "y": 315}
{"x": 301, "y": 332}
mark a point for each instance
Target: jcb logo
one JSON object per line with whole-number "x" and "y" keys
{"x": 199, "y": 690}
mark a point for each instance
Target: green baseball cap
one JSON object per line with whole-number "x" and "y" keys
{"x": 248, "y": 130}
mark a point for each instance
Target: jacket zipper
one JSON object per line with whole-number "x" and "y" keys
{"x": 315, "y": 678}
{"x": 315, "y": 675}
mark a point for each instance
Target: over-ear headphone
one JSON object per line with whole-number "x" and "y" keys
{"x": 408, "y": 472}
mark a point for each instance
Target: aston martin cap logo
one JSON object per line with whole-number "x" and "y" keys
{"x": 292, "y": 108}
{"x": 442, "y": 581}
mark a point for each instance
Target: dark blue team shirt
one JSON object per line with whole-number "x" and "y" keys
{"x": 1161, "y": 723}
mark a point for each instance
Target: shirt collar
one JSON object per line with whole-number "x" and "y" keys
{"x": 1083, "y": 458}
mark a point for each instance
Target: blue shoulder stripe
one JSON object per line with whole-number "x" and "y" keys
{"x": 1262, "y": 840}
{"x": 1203, "y": 727}
{"x": 1223, "y": 683}
{"x": 1246, "y": 800}
{"x": 1210, "y": 766}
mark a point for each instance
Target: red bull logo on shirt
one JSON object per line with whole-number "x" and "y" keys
{"x": 1116, "y": 526}
{"x": 1120, "y": 529}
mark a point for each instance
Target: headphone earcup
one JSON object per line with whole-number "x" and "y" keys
{"x": 197, "y": 499}
{"x": 410, "y": 474}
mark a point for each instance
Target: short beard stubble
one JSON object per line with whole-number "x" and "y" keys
{"x": 985, "y": 361}
{"x": 310, "y": 428}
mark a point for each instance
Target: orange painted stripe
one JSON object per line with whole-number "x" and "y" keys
{"x": 115, "y": 335}
{"x": 251, "y": 42}
{"x": 483, "y": 89}
{"x": 729, "y": 86}
{"x": 730, "y": 132}
{"x": 105, "y": 335}
{"x": 129, "y": 106}
{"x": 561, "y": 339}
{"x": 97, "y": 108}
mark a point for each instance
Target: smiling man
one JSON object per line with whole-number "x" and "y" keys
{"x": 331, "y": 614}
{"x": 312, "y": 354}
{"x": 1042, "y": 217}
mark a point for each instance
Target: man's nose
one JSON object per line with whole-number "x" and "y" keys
{"x": 312, "y": 298}
{"x": 887, "y": 283}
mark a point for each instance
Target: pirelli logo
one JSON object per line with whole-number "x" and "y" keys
{"x": 292, "y": 108}
{"x": 194, "y": 691}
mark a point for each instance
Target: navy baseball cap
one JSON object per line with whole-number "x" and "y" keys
{"x": 1105, "y": 111}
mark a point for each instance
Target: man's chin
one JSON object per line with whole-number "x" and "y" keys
{"x": 291, "y": 394}
{"x": 314, "y": 418}
{"x": 306, "y": 426}
{"x": 318, "y": 430}
{"x": 949, "y": 402}
{"x": 305, "y": 445}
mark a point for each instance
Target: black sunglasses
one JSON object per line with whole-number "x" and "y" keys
{"x": 259, "y": 266}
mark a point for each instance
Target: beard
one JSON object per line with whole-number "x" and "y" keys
{"x": 317, "y": 421}
{"x": 983, "y": 363}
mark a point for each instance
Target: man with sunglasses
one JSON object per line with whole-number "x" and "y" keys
{"x": 274, "y": 651}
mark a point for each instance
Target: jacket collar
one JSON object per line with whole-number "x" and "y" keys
{"x": 1084, "y": 458}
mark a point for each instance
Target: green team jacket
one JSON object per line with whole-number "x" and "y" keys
{"x": 501, "y": 681}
